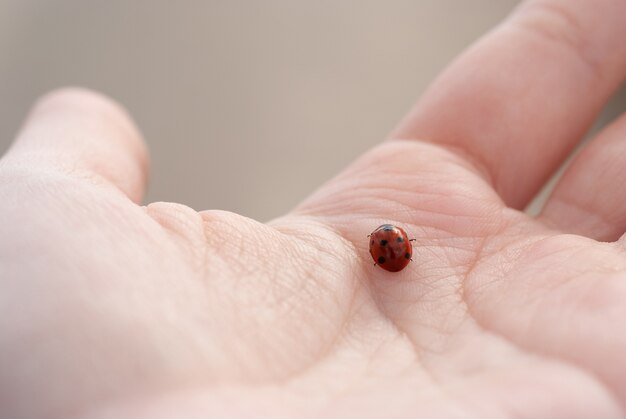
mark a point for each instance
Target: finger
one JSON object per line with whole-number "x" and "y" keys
{"x": 82, "y": 133}
{"x": 521, "y": 98}
{"x": 590, "y": 198}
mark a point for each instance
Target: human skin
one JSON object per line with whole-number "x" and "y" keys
{"x": 110, "y": 309}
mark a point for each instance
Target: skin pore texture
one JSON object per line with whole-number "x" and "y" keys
{"x": 112, "y": 309}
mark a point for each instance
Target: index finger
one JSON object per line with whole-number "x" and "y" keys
{"x": 520, "y": 99}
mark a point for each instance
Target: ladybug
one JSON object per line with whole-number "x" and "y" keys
{"x": 390, "y": 248}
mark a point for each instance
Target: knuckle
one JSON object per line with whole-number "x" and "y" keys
{"x": 557, "y": 24}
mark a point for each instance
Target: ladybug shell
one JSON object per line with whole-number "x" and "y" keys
{"x": 390, "y": 248}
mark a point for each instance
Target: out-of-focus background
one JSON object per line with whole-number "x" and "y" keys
{"x": 246, "y": 105}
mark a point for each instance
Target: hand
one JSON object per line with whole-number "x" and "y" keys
{"x": 115, "y": 310}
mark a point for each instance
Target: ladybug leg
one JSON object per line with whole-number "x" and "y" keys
{"x": 412, "y": 240}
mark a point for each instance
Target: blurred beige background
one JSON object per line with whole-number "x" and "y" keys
{"x": 246, "y": 105}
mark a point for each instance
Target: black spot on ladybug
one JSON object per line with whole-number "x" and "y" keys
{"x": 381, "y": 260}
{"x": 400, "y": 239}
{"x": 407, "y": 255}
{"x": 383, "y": 242}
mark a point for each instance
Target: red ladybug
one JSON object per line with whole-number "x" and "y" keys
{"x": 390, "y": 248}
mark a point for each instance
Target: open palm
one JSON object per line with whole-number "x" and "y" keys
{"x": 114, "y": 310}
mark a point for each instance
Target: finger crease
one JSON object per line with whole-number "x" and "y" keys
{"x": 560, "y": 26}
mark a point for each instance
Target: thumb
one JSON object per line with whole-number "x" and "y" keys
{"x": 82, "y": 133}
